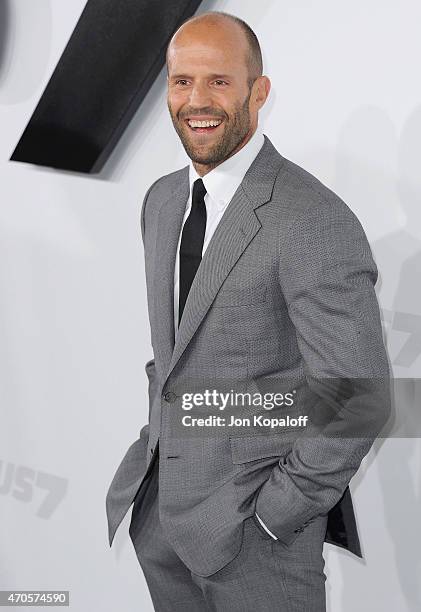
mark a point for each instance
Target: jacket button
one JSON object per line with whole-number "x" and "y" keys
{"x": 170, "y": 397}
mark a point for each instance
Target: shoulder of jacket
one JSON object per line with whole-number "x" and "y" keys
{"x": 307, "y": 194}
{"x": 168, "y": 182}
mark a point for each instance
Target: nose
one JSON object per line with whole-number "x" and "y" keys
{"x": 199, "y": 95}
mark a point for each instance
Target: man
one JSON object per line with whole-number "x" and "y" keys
{"x": 255, "y": 272}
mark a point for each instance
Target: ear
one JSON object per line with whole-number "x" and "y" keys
{"x": 262, "y": 88}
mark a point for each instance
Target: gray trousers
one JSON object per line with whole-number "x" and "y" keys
{"x": 265, "y": 576}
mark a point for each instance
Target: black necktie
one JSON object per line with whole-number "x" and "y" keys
{"x": 191, "y": 244}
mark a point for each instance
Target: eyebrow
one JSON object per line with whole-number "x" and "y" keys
{"x": 211, "y": 76}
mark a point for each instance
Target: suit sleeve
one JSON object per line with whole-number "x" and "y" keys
{"x": 143, "y": 211}
{"x": 150, "y": 365}
{"x": 327, "y": 275}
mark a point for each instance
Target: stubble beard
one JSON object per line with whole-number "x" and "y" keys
{"x": 235, "y": 129}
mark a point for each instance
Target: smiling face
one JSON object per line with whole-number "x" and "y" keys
{"x": 212, "y": 107}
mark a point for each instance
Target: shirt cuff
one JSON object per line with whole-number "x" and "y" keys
{"x": 265, "y": 528}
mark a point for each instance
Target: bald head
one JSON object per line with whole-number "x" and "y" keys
{"x": 224, "y": 29}
{"x": 215, "y": 87}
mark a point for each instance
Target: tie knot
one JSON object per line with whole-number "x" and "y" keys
{"x": 199, "y": 191}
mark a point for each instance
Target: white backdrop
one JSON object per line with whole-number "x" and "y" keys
{"x": 74, "y": 335}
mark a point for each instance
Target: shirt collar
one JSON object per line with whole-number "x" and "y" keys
{"x": 223, "y": 181}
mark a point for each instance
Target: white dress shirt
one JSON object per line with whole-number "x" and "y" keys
{"x": 220, "y": 183}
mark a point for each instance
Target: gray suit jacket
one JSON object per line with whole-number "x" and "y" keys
{"x": 285, "y": 290}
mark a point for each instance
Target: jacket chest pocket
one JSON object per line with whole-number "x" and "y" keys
{"x": 240, "y": 296}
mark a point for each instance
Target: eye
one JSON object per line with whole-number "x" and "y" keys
{"x": 181, "y": 82}
{"x": 220, "y": 82}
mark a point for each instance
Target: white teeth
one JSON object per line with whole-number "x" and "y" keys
{"x": 202, "y": 124}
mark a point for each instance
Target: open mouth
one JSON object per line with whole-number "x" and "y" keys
{"x": 204, "y": 127}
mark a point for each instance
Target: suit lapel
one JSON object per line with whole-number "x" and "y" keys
{"x": 169, "y": 226}
{"x": 235, "y": 231}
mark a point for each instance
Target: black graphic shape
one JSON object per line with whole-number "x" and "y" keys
{"x": 116, "y": 51}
